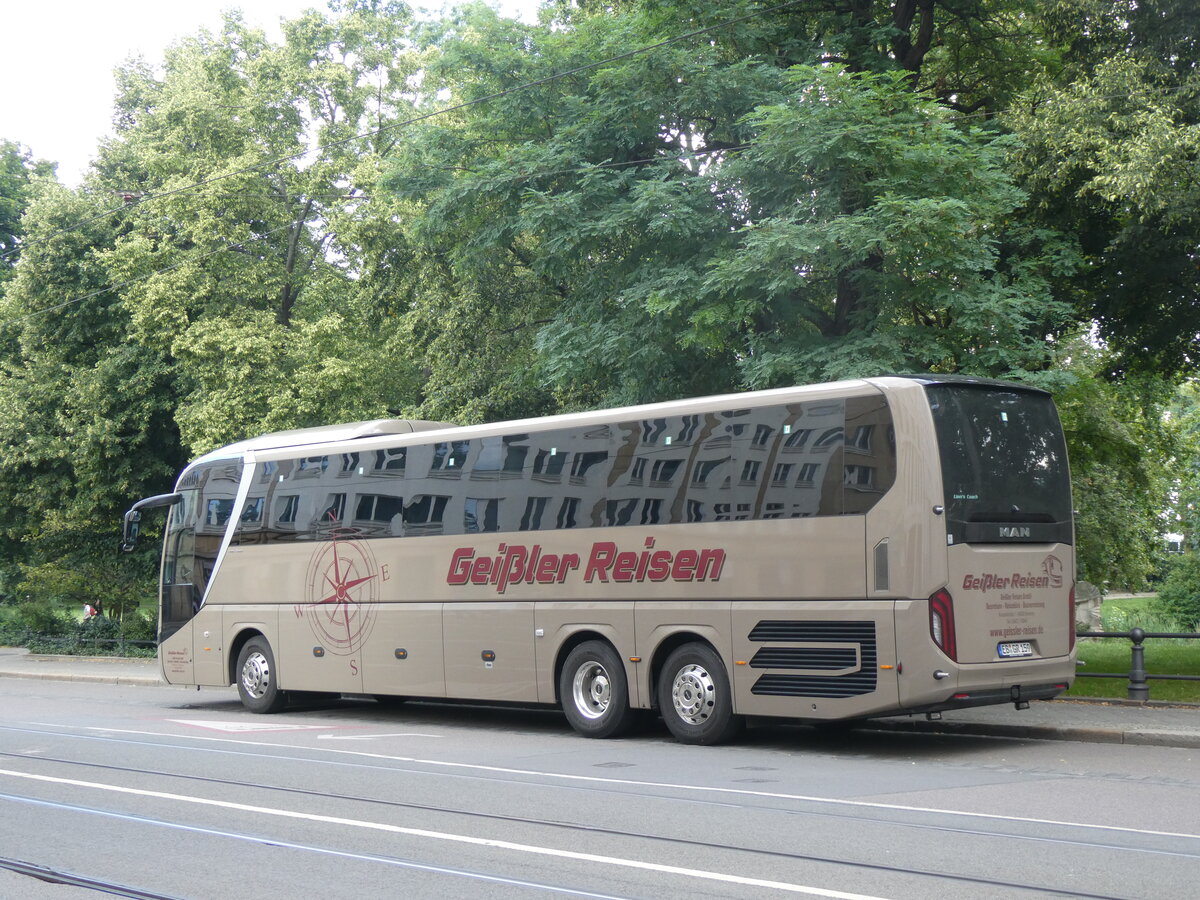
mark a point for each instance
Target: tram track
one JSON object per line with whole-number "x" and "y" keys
{"x": 860, "y": 811}
{"x": 74, "y": 879}
{"x": 587, "y": 830}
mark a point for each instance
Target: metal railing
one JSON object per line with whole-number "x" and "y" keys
{"x": 1139, "y": 687}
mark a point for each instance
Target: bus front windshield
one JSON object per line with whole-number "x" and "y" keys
{"x": 1004, "y": 464}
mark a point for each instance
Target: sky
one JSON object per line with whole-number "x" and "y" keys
{"x": 57, "y": 58}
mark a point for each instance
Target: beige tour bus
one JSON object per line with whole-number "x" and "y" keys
{"x": 877, "y": 547}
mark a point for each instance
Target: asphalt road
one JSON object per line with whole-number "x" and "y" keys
{"x": 172, "y": 793}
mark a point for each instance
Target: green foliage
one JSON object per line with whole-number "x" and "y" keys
{"x": 1121, "y": 447}
{"x": 806, "y": 193}
{"x": 702, "y": 218}
{"x": 1111, "y": 154}
{"x": 1185, "y": 418}
{"x": 1180, "y": 591}
{"x": 17, "y": 170}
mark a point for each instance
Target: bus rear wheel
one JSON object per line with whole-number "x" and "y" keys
{"x": 258, "y": 681}
{"x": 594, "y": 691}
{"x": 694, "y": 696}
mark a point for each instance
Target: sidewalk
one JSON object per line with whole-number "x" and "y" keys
{"x": 17, "y": 662}
{"x": 1107, "y": 722}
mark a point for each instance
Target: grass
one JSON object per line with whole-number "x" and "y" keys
{"x": 1162, "y": 655}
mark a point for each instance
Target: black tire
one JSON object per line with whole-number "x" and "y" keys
{"x": 258, "y": 679}
{"x": 594, "y": 691}
{"x": 695, "y": 698}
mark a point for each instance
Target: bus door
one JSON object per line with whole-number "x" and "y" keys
{"x": 181, "y": 591}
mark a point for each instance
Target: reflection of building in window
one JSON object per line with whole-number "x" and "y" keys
{"x": 378, "y": 508}
{"x": 514, "y": 455}
{"x": 424, "y": 514}
{"x": 218, "y": 512}
{"x": 808, "y": 475}
{"x": 651, "y": 429}
{"x": 286, "y": 509}
{"x": 723, "y": 512}
{"x": 695, "y": 511}
{"x": 831, "y": 437}
{"x": 312, "y": 467}
{"x": 664, "y": 471}
{"x": 762, "y": 435}
{"x": 548, "y": 465}
{"x": 532, "y": 519}
{"x": 797, "y": 439}
{"x": 650, "y": 511}
{"x": 703, "y": 471}
{"x": 688, "y": 432}
{"x": 782, "y": 474}
{"x": 638, "y": 473}
{"x": 448, "y": 457}
{"x": 391, "y": 462}
{"x": 861, "y": 438}
{"x": 481, "y": 515}
{"x": 750, "y": 471}
{"x": 253, "y": 510}
{"x": 584, "y": 461}
{"x": 334, "y": 509}
{"x": 619, "y": 512}
{"x": 860, "y": 476}
{"x": 773, "y": 511}
{"x": 567, "y": 512}
{"x": 349, "y": 463}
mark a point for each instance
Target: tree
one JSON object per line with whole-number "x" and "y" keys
{"x": 1122, "y": 446}
{"x": 202, "y": 285}
{"x": 1111, "y": 154}
{"x": 17, "y": 169}
{"x": 698, "y": 218}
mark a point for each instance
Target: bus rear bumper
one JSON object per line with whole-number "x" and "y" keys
{"x": 1016, "y": 694}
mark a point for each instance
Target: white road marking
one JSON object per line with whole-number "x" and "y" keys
{"x": 454, "y": 838}
{"x": 240, "y": 727}
{"x": 371, "y": 737}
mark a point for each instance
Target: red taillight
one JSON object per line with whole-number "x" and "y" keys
{"x": 1071, "y": 619}
{"x": 941, "y": 623}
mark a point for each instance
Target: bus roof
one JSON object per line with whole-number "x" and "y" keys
{"x": 321, "y": 434}
{"x": 325, "y": 435}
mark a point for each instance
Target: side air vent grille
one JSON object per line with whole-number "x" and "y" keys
{"x": 805, "y": 658}
{"x": 808, "y": 632}
{"x": 856, "y": 665}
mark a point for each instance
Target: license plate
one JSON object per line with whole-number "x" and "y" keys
{"x": 1015, "y": 648}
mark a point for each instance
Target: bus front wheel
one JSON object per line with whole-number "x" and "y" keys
{"x": 594, "y": 691}
{"x": 258, "y": 681}
{"x": 694, "y": 696}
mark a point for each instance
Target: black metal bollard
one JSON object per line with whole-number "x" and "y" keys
{"x": 1138, "y": 687}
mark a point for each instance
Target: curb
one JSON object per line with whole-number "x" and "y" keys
{"x": 145, "y": 680}
{"x": 1182, "y": 739}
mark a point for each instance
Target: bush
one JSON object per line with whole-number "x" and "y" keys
{"x": 1180, "y": 592}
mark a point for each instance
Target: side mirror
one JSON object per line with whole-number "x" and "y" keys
{"x": 129, "y": 533}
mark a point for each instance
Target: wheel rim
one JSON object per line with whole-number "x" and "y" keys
{"x": 256, "y": 675}
{"x": 591, "y": 689}
{"x": 693, "y": 694}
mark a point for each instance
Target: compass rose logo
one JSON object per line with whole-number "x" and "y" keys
{"x": 342, "y": 589}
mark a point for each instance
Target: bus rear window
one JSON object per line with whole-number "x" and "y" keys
{"x": 1004, "y": 464}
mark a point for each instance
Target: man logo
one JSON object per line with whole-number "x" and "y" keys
{"x": 1053, "y": 568}
{"x": 1014, "y": 531}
